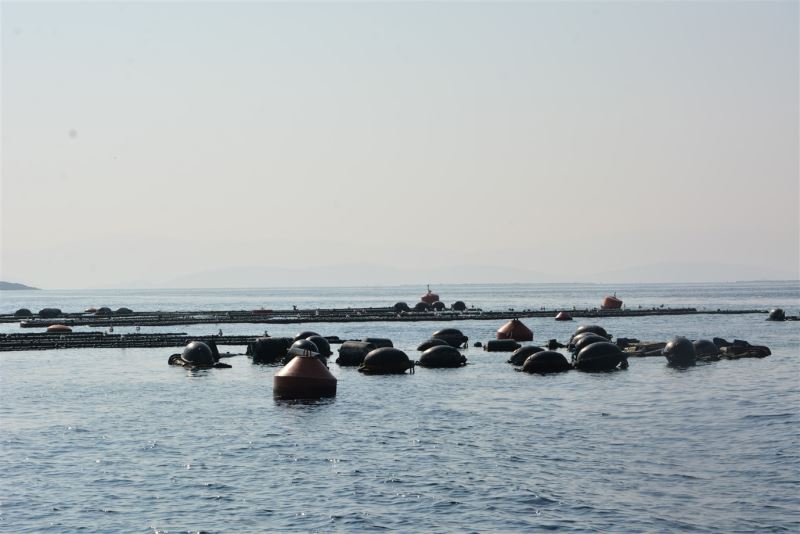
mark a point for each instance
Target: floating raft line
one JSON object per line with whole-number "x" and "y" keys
{"x": 355, "y": 315}
{"x": 101, "y": 340}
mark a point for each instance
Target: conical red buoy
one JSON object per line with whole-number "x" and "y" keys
{"x": 514, "y": 329}
{"x": 305, "y": 377}
{"x": 563, "y": 316}
{"x": 59, "y": 328}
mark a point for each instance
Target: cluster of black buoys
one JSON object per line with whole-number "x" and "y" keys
{"x": 49, "y": 313}
{"x": 453, "y": 336}
{"x": 386, "y": 361}
{"x": 592, "y": 350}
{"x": 352, "y": 353}
{"x": 198, "y": 355}
{"x": 442, "y": 356}
{"x": 681, "y": 352}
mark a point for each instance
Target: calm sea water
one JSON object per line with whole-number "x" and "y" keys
{"x": 117, "y": 441}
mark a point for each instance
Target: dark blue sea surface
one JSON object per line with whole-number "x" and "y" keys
{"x": 114, "y": 440}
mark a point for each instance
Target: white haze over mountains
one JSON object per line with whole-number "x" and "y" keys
{"x": 377, "y": 275}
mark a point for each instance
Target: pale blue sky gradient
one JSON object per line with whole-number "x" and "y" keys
{"x": 151, "y": 141}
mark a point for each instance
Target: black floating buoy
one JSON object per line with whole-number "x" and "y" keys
{"x": 386, "y": 361}
{"x": 501, "y": 345}
{"x": 679, "y": 351}
{"x": 49, "y": 313}
{"x": 442, "y": 356}
{"x": 432, "y": 342}
{"x": 195, "y": 355}
{"x": 477, "y": 344}
{"x": 586, "y": 340}
{"x": 23, "y": 312}
{"x": 776, "y": 314}
{"x": 322, "y": 344}
{"x": 453, "y": 336}
{"x": 354, "y": 352}
{"x": 458, "y": 306}
{"x": 124, "y": 311}
{"x": 438, "y": 306}
{"x": 304, "y": 335}
{"x": 105, "y": 310}
{"x": 379, "y": 342}
{"x": 593, "y": 328}
{"x": 269, "y": 349}
{"x": 706, "y": 350}
{"x": 519, "y": 356}
{"x": 401, "y": 307}
{"x": 303, "y": 346}
{"x": 422, "y": 307}
{"x": 600, "y": 356}
{"x": 547, "y": 361}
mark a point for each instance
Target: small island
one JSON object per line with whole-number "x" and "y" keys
{"x": 11, "y": 286}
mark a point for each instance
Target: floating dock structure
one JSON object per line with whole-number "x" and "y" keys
{"x": 332, "y": 315}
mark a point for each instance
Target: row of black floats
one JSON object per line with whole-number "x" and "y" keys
{"x": 591, "y": 348}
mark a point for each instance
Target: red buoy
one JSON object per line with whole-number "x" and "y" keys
{"x": 514, "y": 329}
{"x": 430, "y": 297}
{"x": 305, "y": 377}
{"x": 59, "y": 328}
{"x": 611, "y": 303}
{"x": 563, "y": 316}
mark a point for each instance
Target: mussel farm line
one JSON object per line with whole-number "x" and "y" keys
{"x": 354, "y": 315}
{"x": 101, "y": 340}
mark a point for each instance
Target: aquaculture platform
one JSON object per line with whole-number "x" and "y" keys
{"x": 337, "y": 315}
{"x": 101, "y": 340}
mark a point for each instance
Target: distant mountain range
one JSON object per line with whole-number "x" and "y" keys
{"x": 11, "y": 286}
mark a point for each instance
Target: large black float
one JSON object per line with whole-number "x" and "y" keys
{"x": 386, "y": 361}
{"x": 453, "y": 336}
{"x": 442, "y": 356}
{"x": 600, "y": 356}
{"x": 547, "y": 361}
{"x": 680, "y": 352}
{"x": 352, "y": 353}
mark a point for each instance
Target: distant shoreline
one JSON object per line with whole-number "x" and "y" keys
{"x": 11, "y": 286}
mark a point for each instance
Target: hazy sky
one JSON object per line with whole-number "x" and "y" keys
{"x": 147, "y": 141}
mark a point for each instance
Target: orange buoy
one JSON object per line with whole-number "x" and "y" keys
{"x": 59, "y": 328}
{"x": 563, "y": 316}
{"x": 430, "y": 297}
{"x": 304, "y": 377}
{"x": 514, "y": 329}
{"x": 611, "y": 303}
